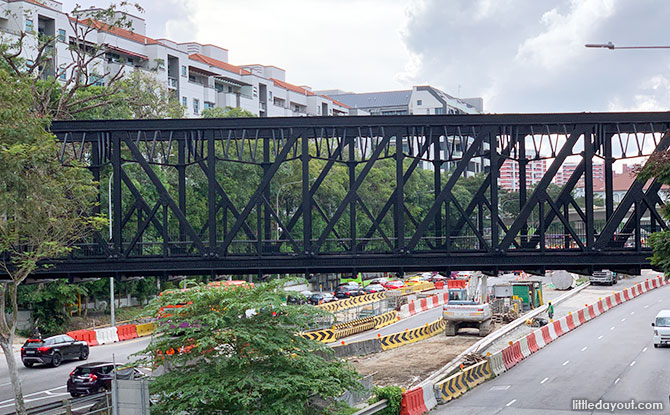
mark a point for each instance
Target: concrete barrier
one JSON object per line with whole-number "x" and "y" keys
{"x": 496, "y": 363}
{"x": 412, "y": 402}
{"x": 359, "y": 348}
{"x": 451, "y": 388}
{"x": 523, "y": 344}
{"x": 531, "y": 339}
{"x": 106, "y": 335}
{"x": 477, "y": 374}
{"x": 145, "y": 329}
{"x": 126, "y": 332}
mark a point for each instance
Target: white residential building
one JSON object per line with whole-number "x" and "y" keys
{"x": 198, "y": 75}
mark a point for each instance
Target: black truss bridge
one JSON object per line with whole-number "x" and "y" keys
{"x": 351, "y": 194}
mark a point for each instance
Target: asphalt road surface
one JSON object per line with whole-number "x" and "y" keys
{"x": 611, "y": 358}
{"x": 43, "y": 384}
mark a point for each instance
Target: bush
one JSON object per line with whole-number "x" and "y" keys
{"x": 393, "y": 394}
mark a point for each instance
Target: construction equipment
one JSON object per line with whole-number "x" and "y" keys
{"x": 462, "y": 311}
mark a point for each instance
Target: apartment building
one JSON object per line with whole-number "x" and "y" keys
{"x": 563, "y": 175}
{"x": 198, "y": 75}
{"x": 510, "y": 176}
{"x": 419, "y": 100}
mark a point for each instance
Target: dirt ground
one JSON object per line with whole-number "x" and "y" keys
{"x": 410, "y": 364}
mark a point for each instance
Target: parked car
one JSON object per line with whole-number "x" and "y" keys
{"x": 374, "y": 288}
{"x": 298, "y": 298}
{"x": 394, "y": 285}
{"x": 95, "y": 377}
{"x": 321, "y": 298}
{"x": 348, "y": 290}
{"x": 53, "y": 350}
{"x": 605, "y": 277}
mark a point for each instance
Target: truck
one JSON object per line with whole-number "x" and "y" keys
{"x": 463, "y": 312}
{"x": 603, "y": 277}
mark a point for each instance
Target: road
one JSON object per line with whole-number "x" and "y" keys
{"x": 46, "y": 384}
{"x": 610, "y": 358}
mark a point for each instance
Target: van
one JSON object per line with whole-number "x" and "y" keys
{"x": 661, "y": 327}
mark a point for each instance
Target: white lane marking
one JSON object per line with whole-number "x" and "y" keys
{"x": 632, "y": 312}
{"x": 500, "y": 388}
{"x": 632, "y": 363}
{"x": 584, "y": 348}
{"x": 612, "y": 328}
{"x": 623, "y": 319}
{"x": 5, "y": 384}
{"x": 600, "y": 337}
{"x": 544, "y": 380}
{"x": 566, "y": 362}
{"x": 511, "y": 402}
{"x": 647, "y": 306}
{"x": 617, "y": 380}
{"x": 34, "y": 393}
{"x": 644, "y": 350}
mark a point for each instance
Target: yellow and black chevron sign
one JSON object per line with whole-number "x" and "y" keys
{"x": 349, "y": 331}
{"x": 324, "y": 336}
{"x": 352, "y": 302}
{"x": 353, "y": 323}
{"x": 410, "y": 336}
{"x": 385, "y": 319}
{"x": 452, "y": 387}
{"x": 476, "y": 374}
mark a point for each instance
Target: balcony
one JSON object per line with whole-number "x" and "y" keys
{"x": 173, "y": 83}
{"x": 262, "y": 106}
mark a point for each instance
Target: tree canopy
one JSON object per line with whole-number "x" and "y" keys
{"x": 235, "y": 350}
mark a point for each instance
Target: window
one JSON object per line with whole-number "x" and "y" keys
{"x": 29, "y": 26}
{"x": 61, "y": 76}
{"x": 196, "y": 106}
{"x": 419, "y": 102}
{"x": 439, "y": 110}
{"x": 209, "y": 105}
{"x": 270, "y": 92}
{"x": 61, "y": 35}
{"x": 184, "y": 102}
{"x": 183, "y": 71}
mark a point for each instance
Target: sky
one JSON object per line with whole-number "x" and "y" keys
{"x": 518, "y": 55}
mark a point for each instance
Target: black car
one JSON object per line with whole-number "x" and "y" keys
{"x": 374, "y": 288}
{"x": 96, "y": 377}
{"x": 53, "y": 350}
{"x": 321, "y": 298}
{"x": 348, "y": 290}
{"x": 298, "y": 298}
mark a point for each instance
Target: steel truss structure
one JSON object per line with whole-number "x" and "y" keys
{"x": 211, "y": 196}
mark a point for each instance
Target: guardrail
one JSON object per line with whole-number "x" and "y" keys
{"x": 374, "y": 408}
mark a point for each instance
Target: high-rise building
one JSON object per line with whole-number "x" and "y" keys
{"x": 510, "y": 173}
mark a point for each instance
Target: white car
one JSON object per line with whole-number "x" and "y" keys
{"x": 661, "y": 327}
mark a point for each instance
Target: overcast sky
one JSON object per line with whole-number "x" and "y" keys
{"x": 519, "y": 55}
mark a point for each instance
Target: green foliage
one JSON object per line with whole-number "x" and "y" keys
{"x": 50, "y": 304}
{"x": 393, "y": 394}
{"x": 658, "y": 166}
{"x": 228, "y": 112}
{"x": 239, "y": 353}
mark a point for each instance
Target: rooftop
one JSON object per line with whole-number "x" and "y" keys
{"x": 375, "y": 99}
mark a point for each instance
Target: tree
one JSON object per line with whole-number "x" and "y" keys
{"x": 658, "y": 166}
{"x": 235, "y": 351}
{"x": 55, "y": 91}
{"x": 228, "y": 112}
{"x": 139, "y": 95}
{"x": 43, "y": 206}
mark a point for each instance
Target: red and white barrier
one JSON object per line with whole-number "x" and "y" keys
{"x": 423, "y": 304}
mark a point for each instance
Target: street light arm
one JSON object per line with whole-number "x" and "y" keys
{"x": 610, "y": 45}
